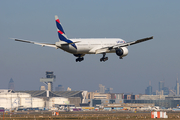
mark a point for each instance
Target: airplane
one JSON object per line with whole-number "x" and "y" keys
{"x": 82, "y": 46}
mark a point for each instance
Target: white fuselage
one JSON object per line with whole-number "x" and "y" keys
{"x": 89, "y": 46}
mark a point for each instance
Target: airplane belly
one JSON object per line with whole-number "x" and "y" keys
{"x": 83, "y": 50}
{"x": 69, "y": 48}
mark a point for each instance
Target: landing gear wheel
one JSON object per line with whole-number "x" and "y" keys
{"x": 104, "y": 59}
{"x": 120, "y": 57}
{"x": 79, "y": 59}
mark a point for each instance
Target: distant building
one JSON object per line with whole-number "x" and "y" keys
{"x": 161, "y": 85}
{"x": 101, "y": 88}
{"x": 148, "y": 90}
{"x": 93, "y": 95}
{"x": 160, "y": 92}
{"x": 119, "y": 95}
{"x": 108, "y": 90}
{"x": 177, "y": 90}
{"x": 177, "y": 87}
{"x": 153, "y": 93}
{"x": 152, "y": 97}
{"x": 11, "y": 84}
{"x": 38, "y": 99}
{"x": 166, "y": 90}
{"x": 59, "y": 88}
{"x": 162, "y": 89}
{"x": 43, "y": 88}
{"x": 68, "y": 89}
{"x": 113, "y": 95}
{"x": 129, "y": 97}
{"x": 136, "y": 97}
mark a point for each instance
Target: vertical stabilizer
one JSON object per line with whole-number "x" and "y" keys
{"x": 61, "y": 33}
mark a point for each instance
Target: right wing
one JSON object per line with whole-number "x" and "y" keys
{"x": 42, "y": 44}
{"x": 132, "y": 43}
{"x": 108, "y": 48}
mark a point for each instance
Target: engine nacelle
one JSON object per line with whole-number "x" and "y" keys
{"x": 122, "y": 52}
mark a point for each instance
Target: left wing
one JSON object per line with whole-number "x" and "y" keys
{"x": 46, "y": 44}
{"x": 106, "y": 49}
{"x": 32, "y": 42}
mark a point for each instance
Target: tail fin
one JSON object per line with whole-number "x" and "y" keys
{"x": 60, "y": 30}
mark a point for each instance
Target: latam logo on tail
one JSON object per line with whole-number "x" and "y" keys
{"x": 81, "y": 47}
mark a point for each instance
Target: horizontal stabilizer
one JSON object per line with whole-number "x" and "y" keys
{"x": 65, "y": 43}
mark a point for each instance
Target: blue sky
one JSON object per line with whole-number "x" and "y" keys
{"x": 153, "y": 60}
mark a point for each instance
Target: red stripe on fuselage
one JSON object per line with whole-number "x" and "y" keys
{"x": 60, "y": 32}
{"x": 58, "y": 20}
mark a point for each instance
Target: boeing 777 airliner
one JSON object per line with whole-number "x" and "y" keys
{"x": 80, "y": 47}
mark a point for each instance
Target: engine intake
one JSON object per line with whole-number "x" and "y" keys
{"x": 122, "y": 52}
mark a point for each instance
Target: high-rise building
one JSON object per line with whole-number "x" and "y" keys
{"x": 11, "y": 84}
{"x": 161, "y": 85}
{"x": 59, "y": 88}
{"x": 148, "y": 90}
{"x": 101, "y": 88}
{"x": 177, "y": 87}
{"x": 165, "y": 90}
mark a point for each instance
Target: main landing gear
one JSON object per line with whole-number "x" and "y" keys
{"x": 79, "y": 59}
{"x": 104, "y": 58}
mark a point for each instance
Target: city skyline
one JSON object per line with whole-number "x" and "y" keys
{"x": 102, "y": 89}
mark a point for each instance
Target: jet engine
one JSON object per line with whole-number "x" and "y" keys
{"x": 122, "y": 52}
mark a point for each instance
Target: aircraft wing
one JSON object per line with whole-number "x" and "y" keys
{"x": 32, "y": 42}
{"x": 131, "y": 43}
{"x": 106, "y": 49}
